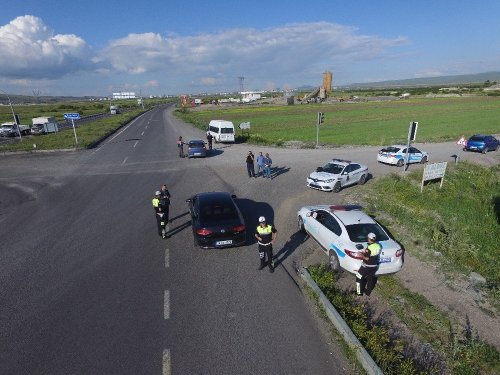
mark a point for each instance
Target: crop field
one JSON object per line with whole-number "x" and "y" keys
{"x": 360, "y": 123}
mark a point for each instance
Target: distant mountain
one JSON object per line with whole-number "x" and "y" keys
{"x": 432, "y": 81}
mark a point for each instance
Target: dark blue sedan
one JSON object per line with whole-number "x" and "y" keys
{"x": 482, "y": 143}
{"x": 197, "y": 149}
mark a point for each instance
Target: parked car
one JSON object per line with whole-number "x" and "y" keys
{"x": 197, "y": 149}
{"x": 396, "y": 154}
{"x": 337, "y": 174}
{"x": 483, "y": 143}
{"x": 216, "y": 220}
{"x": 342, "y": 232}
{"x": 11, "y": 129}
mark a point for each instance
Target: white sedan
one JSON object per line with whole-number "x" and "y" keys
{"x": 337, "y": 174}
{"x": 342, "y": 232}
{"x": 396, "y": 154}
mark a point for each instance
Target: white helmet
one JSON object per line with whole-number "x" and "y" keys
{"x": 262, "y": 219}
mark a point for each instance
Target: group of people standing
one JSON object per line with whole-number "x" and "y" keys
{"x": 264, "y": 164}
{"x": 161, "y": 205}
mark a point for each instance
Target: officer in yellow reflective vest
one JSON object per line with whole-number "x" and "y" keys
{"x": 365, "y": 277}
{"x": 265, "y": 235}
{"x": 160, "y": 221}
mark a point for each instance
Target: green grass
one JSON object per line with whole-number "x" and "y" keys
{"x": 364, "y": 123}
{"x": 452, "y": 352}
{"x": 460, "y": 220}
{"x": 87, "y": 135}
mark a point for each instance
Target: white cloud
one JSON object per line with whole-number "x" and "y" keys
{"x": 29, "y": 49}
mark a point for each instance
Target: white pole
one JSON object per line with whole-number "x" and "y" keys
{"x": 13, "y": 115}
{"x": 74, "y": 131}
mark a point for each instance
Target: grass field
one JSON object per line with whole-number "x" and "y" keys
{"x": 363, "y": 123}
{"x": 460, "y": 221}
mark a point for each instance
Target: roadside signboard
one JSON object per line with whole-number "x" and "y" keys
{"x": 72, "y": 116}
{"x": 433, "y": 172}
{"x": 245, "y": 125}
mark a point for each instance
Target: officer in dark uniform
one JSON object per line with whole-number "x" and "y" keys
{"x": 365, "y": 277}
{"x": 265, "y": 235}
{"x": 165, "y": 205}
{"x": 210, "y": 138}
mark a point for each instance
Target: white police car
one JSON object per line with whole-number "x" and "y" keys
{"x": 336, "y": 174}
{"x": 342, "y": 232}
{"x": 396, "y": 154}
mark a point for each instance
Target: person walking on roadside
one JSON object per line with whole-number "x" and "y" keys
{"x": 159, "y": 214}
{"x": 250, "y": 164}
{"x": 365, "y": 277}
{"x": 266, "y": 236}
{"x": 210, "y": 138}
{"x": 180, "y": 144}
{"x": 268, "y": 162}
{"x": 260, "y": 164}
{"x": 165, "y": 206}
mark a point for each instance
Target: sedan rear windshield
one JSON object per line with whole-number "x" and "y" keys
{"x": 215, "y": 212}
{"x": 477, "y": 139}
{"x": 359, "y": 232}
{"x": 391, "y": 149}
{"x": 196, "y": 144}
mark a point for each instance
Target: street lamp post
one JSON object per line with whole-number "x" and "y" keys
{"x": 13, "y": 115}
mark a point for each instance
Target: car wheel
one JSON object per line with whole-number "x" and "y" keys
{"x": 333, "y": 262}
{"x": 400, "y": 163}
{"x": 362, "y": 180}
{"x": 336, "y": 187}
{"x": 465, "y": 149}
{"x": 496, "y": 148}
{"x": 301, "y": 224}
{"x": 485, "y": 150}
{"x": 423, "y": 160}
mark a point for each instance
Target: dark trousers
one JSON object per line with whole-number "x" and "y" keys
{"x": 250, "y": 170}
{"x": 209, "y": 145}
{"x": 366, "y": 280}
{"x": 160, "y": 223}
{"x": 266, "y": 251}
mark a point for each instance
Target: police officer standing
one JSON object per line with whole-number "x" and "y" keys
{"x": 165, "y": 205}
{"x": 265, "y": 235}
{"x": 210, "y": 138}
{"x": 365, "y": 277}
{"x": 159, "y": 214}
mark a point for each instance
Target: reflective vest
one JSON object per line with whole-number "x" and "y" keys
{"x": 156, "y": 204}
{"x": 374, "y": 249}
{"x": 266, "y": 234}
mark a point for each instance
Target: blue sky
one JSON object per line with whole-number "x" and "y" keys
{"x": 160, "y": 47}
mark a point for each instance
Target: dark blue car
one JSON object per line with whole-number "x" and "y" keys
{"x": 482, "y": 143}
{"x": 197, "y": 149}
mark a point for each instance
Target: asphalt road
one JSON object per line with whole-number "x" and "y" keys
{"x": 87, "y": 286}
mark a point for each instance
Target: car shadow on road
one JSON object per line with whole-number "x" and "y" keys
{"x": 251, "y": 211}
{"x": 214, "y": 152}
{"x": 295, "y": 240}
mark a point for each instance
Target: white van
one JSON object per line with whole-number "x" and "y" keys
{"x": 221, "y": 130}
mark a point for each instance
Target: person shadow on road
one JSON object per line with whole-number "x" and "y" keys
{"x": 295, "y": 240}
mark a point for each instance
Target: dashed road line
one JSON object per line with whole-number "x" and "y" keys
{"x": 142, "y": 133}
{"x": 167, "y": 363}
{"x": 124, "y": 160}
{"x": 135, "y": 144}
{"x": 167, "y": 258}
{"x": 166, "y": 305}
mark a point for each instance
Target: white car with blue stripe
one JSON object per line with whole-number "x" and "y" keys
{"x": 396, "y": 154}
{"x": 342, "y": 232}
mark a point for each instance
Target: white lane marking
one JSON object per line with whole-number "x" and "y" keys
{"x": 167, "y": 363}
{"x": 124, "y": 160}
{"x": 117, "y": 134}
{"x": 167, "y": 258}
{"x": 142, "y": 133}
{"x": 135, "y": 144}
{"x": 166, "y": 305}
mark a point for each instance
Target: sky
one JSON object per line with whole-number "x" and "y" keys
{"x": 95, "y": 48}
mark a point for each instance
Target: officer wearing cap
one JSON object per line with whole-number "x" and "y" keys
{"x": 265, "y": 235}
{"x": 159, "y": 214}
{"x": 365, "y": 277}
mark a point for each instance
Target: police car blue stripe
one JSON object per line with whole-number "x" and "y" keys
{"x": 340, "y": 253}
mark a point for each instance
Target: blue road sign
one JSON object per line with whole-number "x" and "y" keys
{"x": 72, "y": 116}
